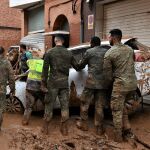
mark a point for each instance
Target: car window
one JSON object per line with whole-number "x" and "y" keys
{"x": 79, "y": 53}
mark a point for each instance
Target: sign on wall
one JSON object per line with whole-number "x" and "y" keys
{"x": 90, "y": 21}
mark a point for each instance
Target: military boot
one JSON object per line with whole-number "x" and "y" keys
{"x": 128, "y": 133}
{"x": 26, "y": 117}
{"x": 126, "y": 124}
{"x": 64, "y": 128}
{"x": 82, "y": 124}
{"x": 99, "y": 130}
{"x": 45, "y": 127}
{"x": 118, "y": 136}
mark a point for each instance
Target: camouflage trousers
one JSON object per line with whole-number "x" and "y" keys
{"x": 50, "y": 98}
{"x": 31, "y": 98}
{"x": 99, "y": 97}
{"x": 2, "y": 103}
{"x": 119, "y": 110}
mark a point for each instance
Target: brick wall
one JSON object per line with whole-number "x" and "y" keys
{"x": 9, "y": 37}
{"x": 24, "y": 23}
{"x": 10, "y": 24}
{"x": 63, "y": 9}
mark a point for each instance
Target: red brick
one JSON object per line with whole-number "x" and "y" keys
{"x": 9, "y": 17}
{"x": 66, "y": 10}
{"x": 57, "y": 8}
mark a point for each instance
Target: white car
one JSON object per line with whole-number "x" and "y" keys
{"x": 77, "y": 79}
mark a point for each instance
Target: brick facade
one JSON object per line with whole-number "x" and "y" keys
{"x": 54, "y": 8}
{"x": 24, "y": 23}
{"x": 10, "y": 25}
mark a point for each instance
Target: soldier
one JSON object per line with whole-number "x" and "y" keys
{"x": 59, "y": 59}
{"x": 6, "y": 75}
{"x": 95, "y": 85}
{"x": 119, "y": 68}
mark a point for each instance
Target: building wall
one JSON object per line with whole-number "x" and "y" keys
{"x": 88, "y": 33}
{"x": 58, "y": 8}
{"x": 9, "y": 37}
{"x": 24, "y": 23}
{"x": 132, "y": 17}
{"x": 10, "y": 25}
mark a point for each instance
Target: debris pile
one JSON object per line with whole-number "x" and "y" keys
{"x": 25, "y": 139}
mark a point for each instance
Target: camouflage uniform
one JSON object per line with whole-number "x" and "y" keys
{"x": 119, "y": 69}
{"x": 95, "y": 86}
{"x": 59, "y": 59}
{"x": 5, "y": 75}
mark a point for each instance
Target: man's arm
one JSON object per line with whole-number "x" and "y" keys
{"x": 22, "y": 75}
{"x": 45, "y": 69}
{"x": 84, "y": 61}
{"x": 74, "y": 64}
{"x": 11, "y": 78}
{"x": 107, "y": 69}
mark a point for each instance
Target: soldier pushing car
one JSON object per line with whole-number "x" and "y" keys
{"x": 96, "y": 86}
{"x": 119, "y": 70}
{"x": 60, "y": 60}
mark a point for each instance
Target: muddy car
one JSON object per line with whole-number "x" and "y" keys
{"x": 77, "y": 79}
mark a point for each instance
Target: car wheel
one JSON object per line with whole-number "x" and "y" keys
{"x": 14, "y": 105}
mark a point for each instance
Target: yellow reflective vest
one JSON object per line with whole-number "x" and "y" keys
{"x": 35, "y": 69}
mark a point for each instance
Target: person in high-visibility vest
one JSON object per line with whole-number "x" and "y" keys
{"x": 33, "y": 87}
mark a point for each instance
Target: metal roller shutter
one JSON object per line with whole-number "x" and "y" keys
{"x": 131, "y": 16}
{"x": 34, "y": 40}
{"x": 36, "y": 19}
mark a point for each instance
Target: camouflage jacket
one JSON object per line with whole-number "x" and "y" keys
{"x": 59, "y": 60}
{"x": 119, "y": 68}
{"x": 94, "y": 58}
{"x": 6, "y": 75}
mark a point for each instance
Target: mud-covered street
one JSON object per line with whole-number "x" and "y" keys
{"x": 14, "y": 136}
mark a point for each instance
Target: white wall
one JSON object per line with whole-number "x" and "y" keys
{"x": 15, "y": 3}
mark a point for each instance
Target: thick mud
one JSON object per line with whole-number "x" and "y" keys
{"x": 14, "y": 136}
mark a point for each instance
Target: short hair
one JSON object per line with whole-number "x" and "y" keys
{"x": 59, "y": 37}
{"x": 23, "y": 46}
{"x": 1, "y": 50}
{"x": 116, "y": 33}
{"x": 95, "y": 41}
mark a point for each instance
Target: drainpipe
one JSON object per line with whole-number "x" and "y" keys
{"x": 82, "y": 23}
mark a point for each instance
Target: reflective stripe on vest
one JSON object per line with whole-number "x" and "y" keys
{"x": 35, "y": 68}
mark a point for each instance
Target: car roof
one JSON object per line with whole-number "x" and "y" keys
{"x": 15, "y": 46}
{"x": 57, "y": 32}
{"x": 103, "y": 43}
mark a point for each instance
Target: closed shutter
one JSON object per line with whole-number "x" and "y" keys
{"x": 131, "y": 16}
{"x": 34, "y": 40}
{"x": 36, "y": 19}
